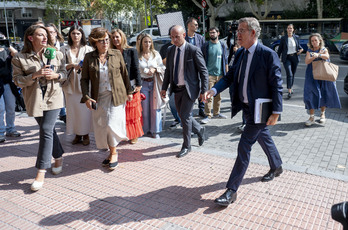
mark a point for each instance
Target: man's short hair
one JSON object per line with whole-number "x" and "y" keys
{"x": 214, "y": 28}
{"x": 190, "y": 19}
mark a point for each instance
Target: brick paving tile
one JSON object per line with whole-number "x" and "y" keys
{"x": 152, "y": 189}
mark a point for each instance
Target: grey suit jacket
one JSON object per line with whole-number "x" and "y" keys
{"x": 195, "y": 71}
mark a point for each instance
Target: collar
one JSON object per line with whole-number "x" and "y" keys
{"x": 182, "y": 47}
{"x": 252, "y": 48}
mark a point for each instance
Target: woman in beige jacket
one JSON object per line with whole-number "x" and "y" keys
{"x": 43, "y": 96}
{"x": 105, "y": 89}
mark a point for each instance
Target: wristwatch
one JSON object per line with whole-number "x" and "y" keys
{"x": 59, "y": 77}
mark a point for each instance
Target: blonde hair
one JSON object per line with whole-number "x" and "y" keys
{"x": 321, "y": 44}
{"x": 141, "y": 49}
{"x": 124, "y": 44}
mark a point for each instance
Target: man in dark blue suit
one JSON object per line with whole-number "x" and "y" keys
{"x": 187, "y": 75}
{"x": 255, "y": 73}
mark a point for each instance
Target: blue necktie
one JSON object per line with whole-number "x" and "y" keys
{"x": 176, "y": 70}
{"x": 242, "y": 75}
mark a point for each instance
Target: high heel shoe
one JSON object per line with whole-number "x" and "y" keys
{"x": 37, "y": 185}
{"x": 106, "y": 162}
{"x": 113, "y": 165}
{"x": 59, "y": 169}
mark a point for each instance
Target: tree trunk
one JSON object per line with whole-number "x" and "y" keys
{"x": 268, "y": 6}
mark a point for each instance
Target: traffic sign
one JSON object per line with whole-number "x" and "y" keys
{"x": 204, "y": 3}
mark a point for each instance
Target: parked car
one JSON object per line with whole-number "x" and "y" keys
{"x": 344, "y": 51}
{"x": 153, "y": 32}
{"x": 346, "y": 84}
{"x": 303, "y": 42}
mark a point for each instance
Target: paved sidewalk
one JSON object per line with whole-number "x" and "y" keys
{"x": 152, "y": 189}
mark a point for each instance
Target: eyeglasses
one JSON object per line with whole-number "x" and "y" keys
{"x": 104, "y": 41}
{"x": 242, "y": 31}
{"x": 52, "y": 32}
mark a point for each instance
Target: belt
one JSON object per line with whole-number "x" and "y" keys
{"x": 292, "y": 54}
{"x": 147, "y": 79}
{"x": 180, "y": 86}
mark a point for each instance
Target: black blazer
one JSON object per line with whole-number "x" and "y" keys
{"x": 283, "y": 46}
{"x": 130, "y": 57}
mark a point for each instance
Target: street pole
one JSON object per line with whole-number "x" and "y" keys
{"x": 150, "y": 13}
{"x": 13, "y": 27}
{"x": 6, "y": 19}
{"x": 203, "y": 22}
{"x": 145, "y": 14}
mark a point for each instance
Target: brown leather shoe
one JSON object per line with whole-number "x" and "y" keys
{"x": 85, "y": 140}
{"x": 76, "y": 140}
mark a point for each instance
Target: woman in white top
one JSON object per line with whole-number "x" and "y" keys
{"x": 290, "y": 49}
{"x": 79, "y": 119}
{"x": 151, "y": 71}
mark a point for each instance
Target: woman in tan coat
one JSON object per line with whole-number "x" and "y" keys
{"x": 43, "y": 96}
{"x": 105, "y": 89}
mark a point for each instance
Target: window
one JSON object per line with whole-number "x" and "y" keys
{"x": 9, "y": 14}
{"x": 27, "y": 13}
{"x": 155, "y": 32}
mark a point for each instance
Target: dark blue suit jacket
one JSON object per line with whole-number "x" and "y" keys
{"x": 195, "y": 72}
{"x": 283, "y": 46}
{"x": 264, "y": 79}
{"x": 199, "y": 40}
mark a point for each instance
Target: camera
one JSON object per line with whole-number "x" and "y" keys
{"x": 4, "y": 43}
{"x": 339, "y": 213}
{"x": 233, "y": 27}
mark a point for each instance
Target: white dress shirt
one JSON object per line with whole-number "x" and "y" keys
{"x": 181, "y": 78}
{"x": 291, "y": 45}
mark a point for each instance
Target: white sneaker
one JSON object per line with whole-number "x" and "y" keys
{"x": 310, "y": 121}
{"x": 36, "y": 185}
{"x": 322, "y": 119}
{"x": 205, "y": 120}
{"x": 220, "y": 116}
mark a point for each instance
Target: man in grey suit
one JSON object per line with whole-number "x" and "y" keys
{"x": 187, "y": 75}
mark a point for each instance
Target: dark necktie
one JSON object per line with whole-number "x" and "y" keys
{"x": 176, "y": 70}
{"x": 242, "y": 75}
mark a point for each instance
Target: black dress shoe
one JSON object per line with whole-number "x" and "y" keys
{"x": 183, "y": 152}
{"x": 227, "y": 198}
{"x": 201, "y": 136}
{"x": 272, "y": 173}
{"x": 289, "y": 95}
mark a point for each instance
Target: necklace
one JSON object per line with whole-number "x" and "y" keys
{"x": 103, "y": 57}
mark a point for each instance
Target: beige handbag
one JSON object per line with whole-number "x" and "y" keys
{"x": 324, "y": 70}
